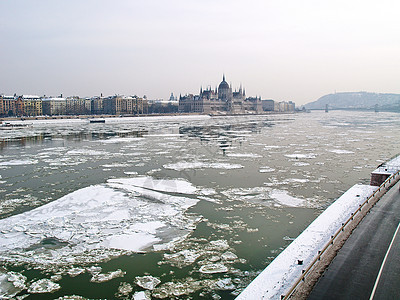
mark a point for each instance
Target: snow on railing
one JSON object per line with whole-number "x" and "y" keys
{"x": 390, "y": 181}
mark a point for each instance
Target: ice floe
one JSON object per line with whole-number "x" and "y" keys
{"x": 283, "y": 198}
{"x": 142, "y": 295}
{"x": 184, "y": 165}
{"x": 11, "y": 283}
{"x": 213, "y": 268}
{"x": 338, "y": 151}
{"x": 301, "y": 156}
{"x": 89, "y": 152}
{"x": 19, "y": 162}
{"x": 163, "y": 185}
{"x": 266, "y": 170}
{"x": 124, "y": 289}
{"x": 224, "y": 284}
{"x": 147, "y": 282}
{"x": 98, "y": 222}
{"x": 267, "y": 195}
{"x": 103, "y": 277}
{"x": 244, "y": 155}
{"x": 170, "y": 290}
{"x": 43, "y": 286}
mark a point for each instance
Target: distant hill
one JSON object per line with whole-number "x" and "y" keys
{"x": 357, "y": 100}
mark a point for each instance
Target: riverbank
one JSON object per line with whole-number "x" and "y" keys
{"x": 315, "y": 248}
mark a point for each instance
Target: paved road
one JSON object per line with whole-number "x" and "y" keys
{"x": 355, "y": 270}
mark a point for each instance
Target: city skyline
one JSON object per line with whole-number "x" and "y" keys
{"x": 283, "y": 51}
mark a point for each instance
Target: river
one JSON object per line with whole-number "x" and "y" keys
{"x": 171, "y": 207}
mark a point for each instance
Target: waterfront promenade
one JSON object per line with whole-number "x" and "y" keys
{"x": 368, "y": 265}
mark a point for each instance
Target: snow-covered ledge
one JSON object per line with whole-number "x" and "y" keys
{"x": 286, "y": 268}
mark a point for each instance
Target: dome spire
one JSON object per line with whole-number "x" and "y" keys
{"x": 223, "y": 77}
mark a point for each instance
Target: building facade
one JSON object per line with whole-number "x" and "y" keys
{"x": 31, "y": 106}
{"x": 28, "y": 105}
{"x": 54, "y": 106}
{"x": 221, "y": 100}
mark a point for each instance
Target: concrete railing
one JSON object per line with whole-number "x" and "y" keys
{"x": 371, "y": 200}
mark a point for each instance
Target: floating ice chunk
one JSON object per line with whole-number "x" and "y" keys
{"x": 131, "y": 173}
{"x": 94, "y": 270}
{"x": 11, "y": 283}
{"x": 298, "y": 180}
{"x": 266, "y": 170}
{"x": 283, "y": 198}
{"x": 43, "y": 286}
{"x": 225, "y": 284}
{"x": 89, "y": 152}
{"x": 136, "y": 242}
{"x": 18, "y": 162}
{"x": 118, "y": 140}
{"x": 299, "y": 155}
{"x": 124, "y": 289}
{"x": 183, "y": 165}
{"x": 18, "y": 280}
{"x": 184, "y": 258}
{"x": 244, "y": 155}
{"x": 228, "y": 255}
{"x": 338, "y": 151}
{"x": 163, "y": 185}
{"x": 219, "y": 245}
{"x": 207, "y": 191}
{"x": 147, "y": 282}
{"x": 99, "y": 277}
{"x": 143, "y": 295}
{"x": 172, "y": 290}
{"x": 116, "y": 165}
{"x": 213, "y": 268}
{"x": 73, "y": 297}
{"x": 300, "y": 164}
{"x": 75, "y": 271}
{"x": 209, "y": 199}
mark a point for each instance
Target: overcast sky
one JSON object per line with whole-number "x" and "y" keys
{"x": 277, "y": 49}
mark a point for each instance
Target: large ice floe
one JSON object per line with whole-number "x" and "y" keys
{"x": 99, "y": 222}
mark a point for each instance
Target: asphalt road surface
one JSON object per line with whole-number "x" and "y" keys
{"x": 368, "y": 265}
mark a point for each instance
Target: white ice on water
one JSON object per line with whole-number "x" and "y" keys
{"x": 301, "y": 155}
{"x": 19, "y": 162}
{"x": 274, "y": 280}
{"x": 184, "y": 165}
{"x": 283, "y": 198}
{"x": 43, "y": 286}
{"x": 91, "y": 224}
{"x": 339, "y": 151}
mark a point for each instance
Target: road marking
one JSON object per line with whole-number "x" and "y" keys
{"x": 383, "y": 264}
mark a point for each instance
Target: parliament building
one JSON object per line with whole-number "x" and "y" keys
{"x": 221, "y": 100}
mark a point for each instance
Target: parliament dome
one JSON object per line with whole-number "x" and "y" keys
{"x": 223, "y": 84}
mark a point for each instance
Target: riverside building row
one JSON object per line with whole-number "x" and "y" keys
{"x": 30, "y": 105}
{"x": 224, "y": 100}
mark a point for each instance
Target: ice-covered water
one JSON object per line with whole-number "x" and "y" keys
{"x": 169, "y": 207}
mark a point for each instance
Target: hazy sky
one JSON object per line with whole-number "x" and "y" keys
{"x": 285, "y": 50}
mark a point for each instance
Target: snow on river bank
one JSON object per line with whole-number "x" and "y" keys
{"x": 284, "y": 269}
